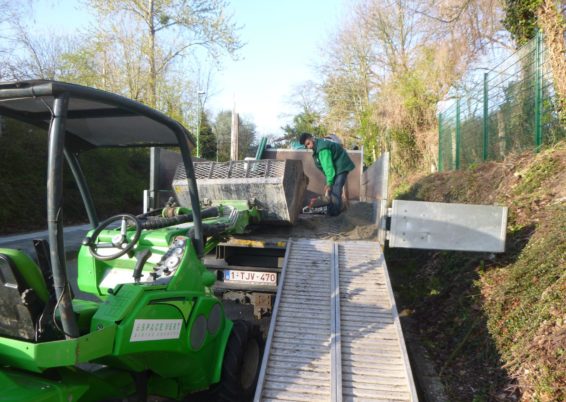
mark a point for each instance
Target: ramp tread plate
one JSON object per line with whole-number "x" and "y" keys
{"x": 298, "y": 367}
{"x": 291, "y": 362}
{"x": 373, "y": 363}
{"x": 376, "y": 370}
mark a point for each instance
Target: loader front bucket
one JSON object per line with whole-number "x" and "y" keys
{"x": 276, "y": 187}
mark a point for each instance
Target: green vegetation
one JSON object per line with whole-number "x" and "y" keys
{"x": 521, "y": 19}
{"x": 207, "y": 138}
{"x": 508, "y": 112}
{"x": 494, "y": 325}
{"x": 534, "y": 175}
{"x": 305, "y": 122}
{"x": 23, "y": 165}
{"x": 525, "y": 305}
{"x": 129, "y": 50}
{"x": 117, "y": 178}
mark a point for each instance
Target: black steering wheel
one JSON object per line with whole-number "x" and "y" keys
{"x": 119, "y": 241}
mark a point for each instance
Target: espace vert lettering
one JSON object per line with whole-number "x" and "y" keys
{"x": 152, "y": 330}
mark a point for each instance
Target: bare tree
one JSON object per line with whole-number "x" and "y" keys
{"x": 553, "y": 22}
{"x": 349, "y": 79}
{"x": 393, "y": 60}
{"x": 10, "y": 16}
{"x": 305, "y": 97}
{"x": 169, "y": 30}
{"x": 111, "y": 59}
{"x": 38, "y": 56}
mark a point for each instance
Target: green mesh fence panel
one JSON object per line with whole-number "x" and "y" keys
{"x": 512, "y": 110}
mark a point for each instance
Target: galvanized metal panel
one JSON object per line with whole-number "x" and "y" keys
{"x": 375, "y": 179}
{"x": 276, "y": 187}
{"x": 375, "y": 183}
{"x": 316, "y": 177}
{"x": 441, "y": 226}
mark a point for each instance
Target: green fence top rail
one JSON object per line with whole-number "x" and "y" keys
{"x": 511, "y": 108}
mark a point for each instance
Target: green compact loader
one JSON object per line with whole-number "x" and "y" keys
{"x": 151, "y": 326}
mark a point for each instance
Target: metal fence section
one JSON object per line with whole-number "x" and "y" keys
{"x": 512, "y": 110}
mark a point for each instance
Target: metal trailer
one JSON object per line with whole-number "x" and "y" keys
{"x": 334, "y": 332}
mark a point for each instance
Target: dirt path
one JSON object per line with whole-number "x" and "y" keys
{"x": 356, "y": 223}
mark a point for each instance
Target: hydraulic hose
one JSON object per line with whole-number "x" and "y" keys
{"x": 158, "y": 222}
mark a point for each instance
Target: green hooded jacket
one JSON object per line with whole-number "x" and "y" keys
{"x": 331, "y": 159}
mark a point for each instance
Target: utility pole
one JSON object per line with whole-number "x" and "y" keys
{"x": 199, "y": 112}
{"x": 234, "y": 135}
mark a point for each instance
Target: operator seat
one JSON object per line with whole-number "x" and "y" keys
{"x": 23, "y": 294}
{"x": 26, "y": 301}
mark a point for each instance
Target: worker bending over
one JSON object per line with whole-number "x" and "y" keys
{"x": 335, "y": 163}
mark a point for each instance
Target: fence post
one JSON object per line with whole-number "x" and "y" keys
{"x": 538, "y": 91}
{"x": 440, "y": 142}
{"x": 485, "y": 118}
{"x": 457, "y": 134}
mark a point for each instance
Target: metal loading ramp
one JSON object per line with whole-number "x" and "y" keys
{"x": 335, "y": 334}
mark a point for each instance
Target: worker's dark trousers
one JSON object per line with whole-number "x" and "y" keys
{"x": 336, "y": 194}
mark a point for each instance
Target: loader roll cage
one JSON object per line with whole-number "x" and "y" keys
{"x": 77, "y": 119}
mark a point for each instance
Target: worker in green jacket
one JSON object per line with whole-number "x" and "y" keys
{"x": 334, "y": 162}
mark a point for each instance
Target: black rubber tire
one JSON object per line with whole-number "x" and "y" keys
{"x": 242, "y": 362}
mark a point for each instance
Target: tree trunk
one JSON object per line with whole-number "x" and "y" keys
{"x": 152, "y": 70}
{"x": 553, "y": 25}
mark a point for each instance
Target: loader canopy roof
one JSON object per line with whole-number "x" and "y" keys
{"x": 95, "y": 118}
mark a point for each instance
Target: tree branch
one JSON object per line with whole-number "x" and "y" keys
{"x": 167, "y": 59}
{"x": 450, "y": 21}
